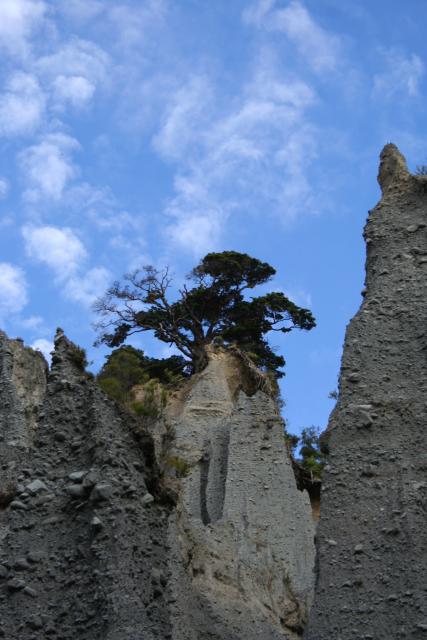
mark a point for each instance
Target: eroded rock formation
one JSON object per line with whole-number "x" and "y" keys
{"x": 82, "y": 543}
{"x": 90, "y": 545}
{"x": 242, "y": 530}
{"x": 372, "y": 542}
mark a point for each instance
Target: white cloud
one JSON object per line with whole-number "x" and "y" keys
{"x": 319, "y": 48}
{"x": 59, "y": 249}
{"x": 13, "y": 289}
{"x": 402, "y": 75}
{"x": 74, "y": 72}
{"x": 134, "y": 23}
{"x": 257, "y": 13}
{"x": 32, "y": 323}
{"x": 4, "y": 187}
{"x": 48, "y": 167}
{"x": 89, "y": 286}
{"x": 257, "y": 151}
{"x": 21, "y": 105}
{"x": 187, "y": 105}
{"x": 63, "y": 252}
{"x": 199, "y": 232}
{"x": 18, "y": 20}
{"x": 80, "y": 58}
{"x": 44, "y": 346}
{"x": 74, "y": 90}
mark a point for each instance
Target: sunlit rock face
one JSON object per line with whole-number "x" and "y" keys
{"x": 23, "y": 377}
{"x": 372, "y": 542}
{"x": 242, "y": 535}
{"x": 101, "y": 539}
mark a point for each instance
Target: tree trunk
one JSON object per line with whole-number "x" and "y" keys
{"x": 200, "y": 358}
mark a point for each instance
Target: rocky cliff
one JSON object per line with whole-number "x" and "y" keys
{"x": 92, "y": 546}
{"x": 242, "y": 530}
{"x": 82, "y": 540}
{"x": 372, "y": 543}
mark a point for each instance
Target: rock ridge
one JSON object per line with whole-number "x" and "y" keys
{"x": 371, "y": 547}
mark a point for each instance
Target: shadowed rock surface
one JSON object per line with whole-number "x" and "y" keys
{"x": 372, "y": 542}
{"x": 82, "y": 544}
{"x": 89, "y": 548}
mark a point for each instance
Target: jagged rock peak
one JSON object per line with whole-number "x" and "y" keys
{"x": 371, "y": 543}
{"x": 68, "y": 359}
{"x": 393, "y": 168}
{"x": 82, "y": 538}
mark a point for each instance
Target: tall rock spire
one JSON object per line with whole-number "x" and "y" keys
{"x": 372, "y": 545}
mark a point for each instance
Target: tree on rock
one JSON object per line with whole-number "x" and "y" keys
{"x": 214, "y": 309}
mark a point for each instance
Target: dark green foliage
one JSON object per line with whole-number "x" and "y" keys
{"x": 78, "y": 357}
{"x": 310, "y": 457}
{"x": 291, "y": 442}
{"x": 213, "y": 310}
{"x": 127, "y": 367}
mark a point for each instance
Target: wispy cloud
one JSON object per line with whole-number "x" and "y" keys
{"x": 319, "y": 48}
{"x": 19, "y": 19}
{"x": 48, "y": 166}
{"x": 33, "y": 323}
{"x": 402, "y": 74}
{"x": 13, "y": 289}
{"x": 81, "y": 11}
{"x": 74, "y": 72}
{"x": 133, "y": 23}
{"x": 59, "y": 249}
{"x": 63, "y": 252}
{"x": 257, "y": 146}
{"x": 86, "y": 287}
{"x": 4, "y": 187}
{"x": 189, "y": 104}
{"x": 22, "y": 105}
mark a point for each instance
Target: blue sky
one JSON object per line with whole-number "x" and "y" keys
{"x": 153, "y": 131}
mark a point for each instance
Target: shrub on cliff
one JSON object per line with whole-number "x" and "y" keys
{"x": 309, "y": 458}
{"x": 213, "y": 310}
{"x": 127, "y": 367}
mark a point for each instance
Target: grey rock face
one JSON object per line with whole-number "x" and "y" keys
{"x": 242, "y": 537}
{"x": 23, "y": 387}
{"x": 88, "y": 547}
{"x": 75, "y": 564}
{"x": 372, "y": 546}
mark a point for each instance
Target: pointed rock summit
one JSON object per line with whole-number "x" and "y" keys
{"x": 393, "y": 168}
{"x": 371, "y": 541}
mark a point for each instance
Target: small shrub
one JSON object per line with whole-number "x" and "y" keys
{"x": 144, "y": 409}
{"x": 311, "y": 457}
{"x": 180, "y": 465}
{"x": 113, "y": 389}
{"x": 78, "y": 357}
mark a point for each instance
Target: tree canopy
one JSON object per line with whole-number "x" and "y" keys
{"x": 213, "y": 309}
